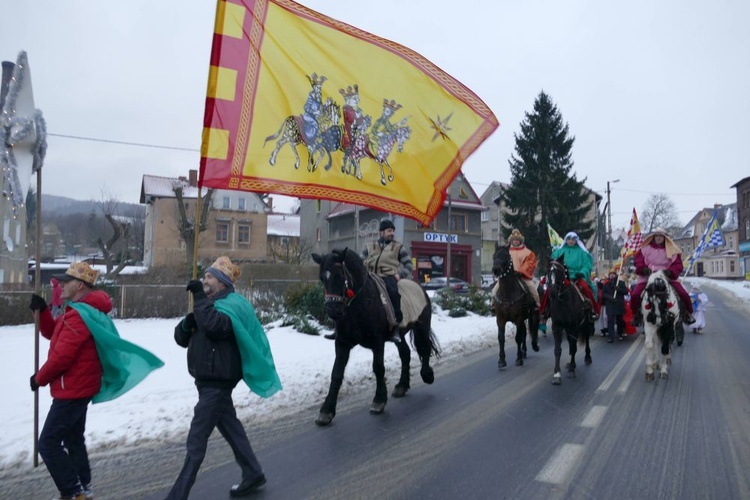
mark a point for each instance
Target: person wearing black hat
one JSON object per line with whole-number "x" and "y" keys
{"x": 390, "y": 260}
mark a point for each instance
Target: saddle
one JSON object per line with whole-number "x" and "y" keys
{"x": 385, "y": 300}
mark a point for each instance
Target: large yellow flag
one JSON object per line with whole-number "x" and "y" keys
{"x": 303, "y": 105}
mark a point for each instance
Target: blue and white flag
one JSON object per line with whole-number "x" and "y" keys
{"x": 712, "y": 238}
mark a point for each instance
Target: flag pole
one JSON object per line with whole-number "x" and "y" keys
{"x": 37, "y": 290}
{"x": 196, "y": 235}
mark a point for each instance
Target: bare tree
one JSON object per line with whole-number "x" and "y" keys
{"x": 297, "y": 252}
{"x": 120, "y": 235}
{"x": 186, "y": 223}
{"x": 658, "y": 211}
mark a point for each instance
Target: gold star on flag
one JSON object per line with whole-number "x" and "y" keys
{"x": 441, "y": 127}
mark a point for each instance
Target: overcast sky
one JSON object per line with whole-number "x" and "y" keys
{"x": 654, "y": 91}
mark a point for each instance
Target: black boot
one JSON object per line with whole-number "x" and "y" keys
{"x": 331, "y": 336}
{"x": 395, "y": 335}
{"x": 688, "y": 318}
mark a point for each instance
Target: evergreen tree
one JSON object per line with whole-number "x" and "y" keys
{"x": 543, "y": 189}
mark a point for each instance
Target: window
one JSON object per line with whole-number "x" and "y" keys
{"x": 284, "y": 241}
{"x": 222, "y": 232}
{"x": 485, "y": 216}
{"x": 243, "y": 234}
{"x": 318, "y": 207}
{"x": 226, "y": 203}
{"x": 731, "y": 266}
{"x": 317, "y": 234}
{"x": 241, "y": 205}
{"x": 458, "y": 223}
{"x": 747, "y": 229}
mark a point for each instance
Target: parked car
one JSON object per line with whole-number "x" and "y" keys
{"x": 457, "y": 285}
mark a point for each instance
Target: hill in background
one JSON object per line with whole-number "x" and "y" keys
{"x": 60, "y": 205}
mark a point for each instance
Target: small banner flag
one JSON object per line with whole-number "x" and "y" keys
{"x": 303, "y": 105}
{"x": 712, "y": 237}
{"x": 554, "y": 239}
{"x": 634, "y": 241}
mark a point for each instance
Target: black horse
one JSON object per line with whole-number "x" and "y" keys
{"x": 513, "y": 303}
{"x": 569, "y": 315}
{"x": 353, "y": 302}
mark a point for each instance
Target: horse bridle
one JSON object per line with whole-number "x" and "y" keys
{"x": 348, "y": 293}
{"x": 508, "y": 269}
{"x": 564, "y": 269}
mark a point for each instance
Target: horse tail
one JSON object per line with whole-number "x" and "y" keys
{"x": 276, "y": 135}
{"x": 423, "y": 338}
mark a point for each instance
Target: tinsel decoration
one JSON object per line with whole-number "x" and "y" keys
{"x": 15, "y": 129}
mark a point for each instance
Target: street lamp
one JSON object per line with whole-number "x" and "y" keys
{"x": 609, "y": 221}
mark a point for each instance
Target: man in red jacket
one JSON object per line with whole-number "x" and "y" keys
{"x": 74, "y": 374}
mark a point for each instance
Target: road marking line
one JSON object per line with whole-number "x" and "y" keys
{"x": 618, "y": 367}
{"x": 562, "y": 463}
{"x": 638, "y": 363}
{"x": 594, "y": 416}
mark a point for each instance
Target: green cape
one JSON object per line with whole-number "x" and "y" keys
{"x": 258, "y": 368}
{"x": 124, "y": 364}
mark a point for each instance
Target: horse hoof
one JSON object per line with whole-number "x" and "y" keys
{"x": 519, "y": 362}
{"x": 535, "y": 346}
{"x": 428, "y": 376}
{"x": 501, "y": 363}
{"x": 649, "y": 377}
{"x": 556, "y": 379}
{"x": 399, "y": 391}
{"x": 588, "y": 360}
{"x": 324, "y": 419}
{"x": 377, "y": 408}
{"x": 679, "y": 343}
{"x": 664, "y": 376}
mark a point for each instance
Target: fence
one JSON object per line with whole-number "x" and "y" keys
{"x": 146, "y": 301}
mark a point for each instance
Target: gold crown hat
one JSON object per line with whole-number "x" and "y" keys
{"x": 316, "y": 80}
{"x": 391, "y": 104}
{"x": 516, "y": 235}
{"x": 80, "y": 271}
{"x": 226, "y": 272}
{"x": 349, "y": 91}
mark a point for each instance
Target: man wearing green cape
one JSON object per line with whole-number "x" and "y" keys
{"x": 87, "y": 360}
{"x": 226, "y": 343}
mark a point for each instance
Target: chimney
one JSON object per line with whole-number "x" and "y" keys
{"x": 269, "y": 202}
{"x": 193, "y": 176}
{"x": 717, "y": 205}
{"x": 5, "y": 82}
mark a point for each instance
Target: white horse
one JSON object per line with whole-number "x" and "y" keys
{"x": 661, "y": 310}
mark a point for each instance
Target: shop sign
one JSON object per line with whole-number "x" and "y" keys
{"x": 440, "y": 238}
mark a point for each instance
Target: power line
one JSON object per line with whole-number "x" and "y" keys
{"x": 109, "y": 141}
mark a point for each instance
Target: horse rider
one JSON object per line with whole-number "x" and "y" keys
{"x": 659, "y": 253}
{"x": 390, "y": 260}
{"x": 524, "y": 265}
{"x": 579, "y": 262}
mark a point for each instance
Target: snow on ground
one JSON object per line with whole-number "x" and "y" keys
{"x": 160, "y": 408}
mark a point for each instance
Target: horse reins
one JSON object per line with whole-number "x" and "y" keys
{"x": 349, "y": 294}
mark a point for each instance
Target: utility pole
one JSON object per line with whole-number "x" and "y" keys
{"x": 609, "y": 222}
{"x": 356, "y": 229}
{"x": 448, "y": 257}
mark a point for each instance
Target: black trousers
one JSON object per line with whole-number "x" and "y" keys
{"x": 215, "y": 409}
{"x": 63, "y": 447}
{"x": 391, "y": 286}
{"x": 615, "y": 320}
